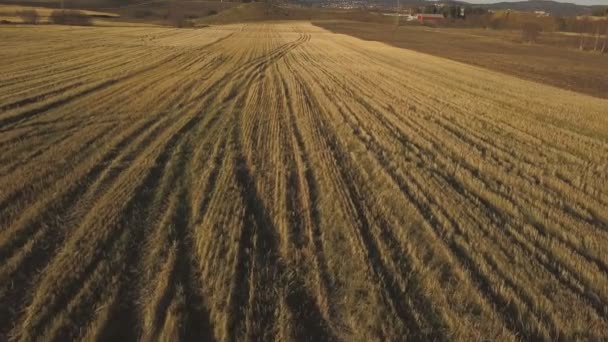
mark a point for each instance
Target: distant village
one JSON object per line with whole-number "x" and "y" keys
{"x": 448, "y": 10}
{"x": 460, "y": 14}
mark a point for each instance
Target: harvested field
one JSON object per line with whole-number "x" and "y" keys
{"x": 279, "y": 181}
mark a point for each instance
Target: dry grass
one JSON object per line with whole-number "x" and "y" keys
{"x": 279, "y": 181}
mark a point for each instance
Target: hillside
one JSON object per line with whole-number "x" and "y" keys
{"x": 263, "y": 12}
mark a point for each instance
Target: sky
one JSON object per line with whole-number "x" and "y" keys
{"x": 580, "y": 2}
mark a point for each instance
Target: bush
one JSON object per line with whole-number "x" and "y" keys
{"x": 29, "y": 16}
{"x": 212, "y": 12}
{"x": 70, "y": 17}
{"x": 530, "y": 32}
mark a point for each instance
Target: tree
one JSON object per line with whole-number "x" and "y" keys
{"x": 605, "y": 45}
{"x": 597, "y": 37}
{"x": 583, "y": 28}
{"x": 430, "y": 9}
{"x": 600, "y": 12}
{"x": 561, "y": 24}
{"x": 530, "y": 32}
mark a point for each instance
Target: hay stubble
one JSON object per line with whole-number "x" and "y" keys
{"x": 278, "y": 181}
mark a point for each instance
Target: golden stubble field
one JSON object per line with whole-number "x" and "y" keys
{"x": 278, "y": 181}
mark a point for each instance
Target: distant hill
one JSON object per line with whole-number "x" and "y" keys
{"x": 553, "y": 7}
{"x": 257, "y": 11}
{"x": 85, "y": 4}
{"x": 549, "y": 6}
{"x": 403, "y": 3}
